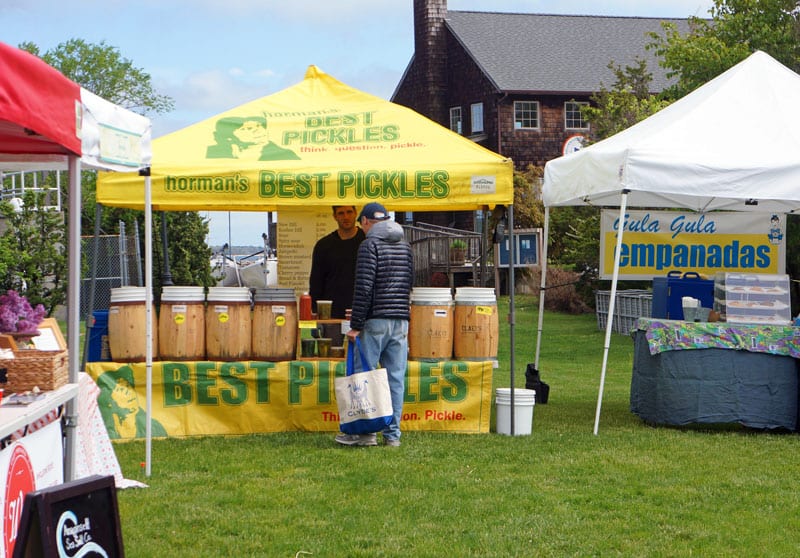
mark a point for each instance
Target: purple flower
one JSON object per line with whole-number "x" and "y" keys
{"x": 17, "y": 315}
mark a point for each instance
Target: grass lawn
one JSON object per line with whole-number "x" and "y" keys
{"x": 633, "y": 490}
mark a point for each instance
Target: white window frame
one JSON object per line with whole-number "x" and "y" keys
{"x": 476, "y": 115}
{"x": 456, "y": 120}
{"x": 580, "y": 104}
{"x": 518, "y": 121}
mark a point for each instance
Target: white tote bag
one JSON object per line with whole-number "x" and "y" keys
{"x": 363, "y": 398}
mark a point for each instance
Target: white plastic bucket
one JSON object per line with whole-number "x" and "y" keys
{"x": 524, "y": 400}
{"x": 231, "y": 294}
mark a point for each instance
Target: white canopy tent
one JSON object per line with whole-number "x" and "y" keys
{"x": 732, "y": 144}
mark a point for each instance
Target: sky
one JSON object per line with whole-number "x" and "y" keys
{"x": 210, "y": 56}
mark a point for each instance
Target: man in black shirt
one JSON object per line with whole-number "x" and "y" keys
{"x": 333, "y": 262}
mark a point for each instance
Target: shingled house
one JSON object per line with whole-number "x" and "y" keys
{"x": 513, "y": 82}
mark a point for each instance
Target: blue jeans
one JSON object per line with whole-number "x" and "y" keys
{"x": 385, "y": 341}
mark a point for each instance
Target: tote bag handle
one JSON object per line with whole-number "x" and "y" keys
{"x": 351, "y": 363}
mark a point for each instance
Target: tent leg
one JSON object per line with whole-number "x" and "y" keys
{"x": 512, "y": 320}
{"x": 622, "y": 208}
{"x": 148, "y": 273}
{"x": 73, "y": 312}
{"x": 542, "y": 284}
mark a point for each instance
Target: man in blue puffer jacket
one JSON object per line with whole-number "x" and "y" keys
{"x": 381, "y": 299}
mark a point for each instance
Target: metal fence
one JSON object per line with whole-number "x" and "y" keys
{"x": 109, "y": 261}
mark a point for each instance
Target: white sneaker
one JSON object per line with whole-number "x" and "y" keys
{"x": 357, "y": 439}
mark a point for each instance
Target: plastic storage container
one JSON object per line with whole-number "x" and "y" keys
{"x": 98, "y": 350}
{"x": 754, "y": 298}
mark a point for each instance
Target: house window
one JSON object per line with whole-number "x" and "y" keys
{"x": 573, "y": 116}
{"x": 476, "y": 110}
{"x": 455, "y": 119}
{"x": 526, "y": 114}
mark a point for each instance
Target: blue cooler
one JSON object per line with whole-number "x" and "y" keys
{"x": 98, "y": 337}
{"x": 669, "y": 291}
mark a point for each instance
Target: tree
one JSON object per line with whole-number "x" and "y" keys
{"x": 626, "y": 103}
{"x": 189, "y": 255}
{"x": 528, "y": 206}
{"x": 33, "y": 251}
{"x": 103, "y": 70}
{"x": 736, "y": 29}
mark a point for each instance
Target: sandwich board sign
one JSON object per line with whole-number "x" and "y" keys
{"x": 78, "y": 518}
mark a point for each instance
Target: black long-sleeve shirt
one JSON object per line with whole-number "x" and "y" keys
{"x": 333, "y": 265}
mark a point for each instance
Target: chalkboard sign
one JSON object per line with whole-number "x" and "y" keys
{"x": 78, "y": 518}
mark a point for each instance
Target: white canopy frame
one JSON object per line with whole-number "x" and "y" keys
{"x": 51, "y": 123}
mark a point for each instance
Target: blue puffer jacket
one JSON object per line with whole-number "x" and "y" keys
{"x": 384, "y": 275}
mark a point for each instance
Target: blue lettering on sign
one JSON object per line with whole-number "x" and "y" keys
{"x": 645, "y": 224}
{"x": 683, "y": 225}
{"x": 695, "y": 256}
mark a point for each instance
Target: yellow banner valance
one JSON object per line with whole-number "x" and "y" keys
{"x": 205, "y": 398}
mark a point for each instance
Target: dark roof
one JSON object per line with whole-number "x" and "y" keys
{"x": 557, "y": 53}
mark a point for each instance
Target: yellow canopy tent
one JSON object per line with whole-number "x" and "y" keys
{"x": 317, "y": 143}
{"x": 321, "y": 143}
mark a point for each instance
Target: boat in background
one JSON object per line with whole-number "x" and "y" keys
{"x": 255, "y": 271}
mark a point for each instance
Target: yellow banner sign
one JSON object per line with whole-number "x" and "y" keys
{"x": 657, "y": 242}
{"x": 204, "y": 398}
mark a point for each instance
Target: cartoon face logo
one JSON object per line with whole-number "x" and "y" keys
{"x": 246, "y": 137}
{"x": 775, "y": 234}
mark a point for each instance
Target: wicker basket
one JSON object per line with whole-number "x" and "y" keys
{"x": 47, "y": 370}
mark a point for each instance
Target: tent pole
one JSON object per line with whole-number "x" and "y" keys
{"x": 511, "y": 309}
{"x": 622, "y": 208}
{"x": 542, "y": 284}
{"x": 148, "y": 321}
{"x": 166, "y": 275}
{"x": 484, "y": 245}
{"x": 230, "y": 248}
{"x": 73, "y": 311}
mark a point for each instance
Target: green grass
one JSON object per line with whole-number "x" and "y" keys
{"x": 633, "y": 490}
